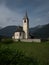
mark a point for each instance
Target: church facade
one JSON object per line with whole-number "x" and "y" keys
{"x": 22, "y": 32}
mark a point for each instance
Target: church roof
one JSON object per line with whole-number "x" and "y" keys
{"x": 19, "y": 29}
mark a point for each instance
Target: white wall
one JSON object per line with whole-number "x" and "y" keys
{"x": 17, "y": 35}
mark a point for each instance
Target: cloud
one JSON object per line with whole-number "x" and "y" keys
{"x": 12, "y": 11}
{"x": 9, "y": 17}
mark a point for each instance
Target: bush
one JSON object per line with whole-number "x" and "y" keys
{"x": 19, "y": 40}
{"x": 44, "y": 40}
{"x": 7, "y": 41}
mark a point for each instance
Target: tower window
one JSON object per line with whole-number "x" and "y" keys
{"x": 25, "y": 21}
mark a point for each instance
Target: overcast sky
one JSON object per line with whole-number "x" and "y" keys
{"x": 13, "y": 11}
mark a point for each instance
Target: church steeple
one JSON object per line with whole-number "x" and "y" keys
{"x": 26, "y": 26}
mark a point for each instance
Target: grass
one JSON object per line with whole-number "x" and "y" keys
{"x": 39, "y": 51}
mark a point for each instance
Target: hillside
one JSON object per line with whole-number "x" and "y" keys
{"x": 41, "y": 31}
{"x": 0, "y": 27}
{"x": 8, "y": 31}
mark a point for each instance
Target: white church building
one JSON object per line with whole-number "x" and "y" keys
{"x": 22, "y": 32}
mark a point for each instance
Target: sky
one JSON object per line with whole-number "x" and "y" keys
{"x": 13, "y": 11}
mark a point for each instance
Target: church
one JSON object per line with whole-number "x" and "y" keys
{"x": 22, "y": 32}
{"x": 19, "y": 32}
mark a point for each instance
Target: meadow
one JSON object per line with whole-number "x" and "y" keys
{"x": 37, "y": 51}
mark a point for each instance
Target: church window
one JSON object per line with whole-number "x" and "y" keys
{"x": 20, "y": 34}
{"x": 25, "y": 21}
{"x": 17, "y": 34}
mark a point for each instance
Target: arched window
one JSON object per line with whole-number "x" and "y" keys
{"x": 24, "y": 21}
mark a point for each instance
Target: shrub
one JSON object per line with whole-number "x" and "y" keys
{"x": 7, "y": 41}
{"x": 44, "y": 40}
{"x": 19, "y": 40}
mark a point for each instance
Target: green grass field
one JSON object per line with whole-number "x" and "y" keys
{"x": 39, "y": 51}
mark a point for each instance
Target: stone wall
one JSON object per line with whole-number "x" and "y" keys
{"x": 31, "y": 40}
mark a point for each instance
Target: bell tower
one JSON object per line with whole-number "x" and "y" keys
{"x": 26, "y": 26}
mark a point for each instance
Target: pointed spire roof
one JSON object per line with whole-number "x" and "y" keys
{"x": 26, "y": 16}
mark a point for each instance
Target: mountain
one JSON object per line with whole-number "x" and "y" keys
{"x": 36, "y": 28}
{"x": 0, "y": 27}
{"x": 40, "y": 31}
{"x": 8, "y": 31}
